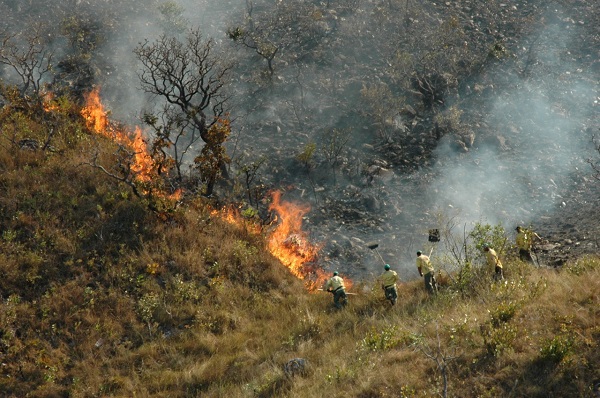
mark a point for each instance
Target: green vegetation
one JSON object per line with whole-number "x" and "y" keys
{"x": 104, "y": 295}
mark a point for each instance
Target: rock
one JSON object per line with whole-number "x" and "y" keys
{"x": 497, "y": 141}
{"x": 295, "y": 367}
{"x": 548, "y": 247}
{"x": 459, "y": 146}
{"x": 29, "y": 144}
{"x": 371, "y": 203}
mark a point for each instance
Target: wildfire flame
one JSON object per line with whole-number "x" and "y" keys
{"x": 232, "y": 215}
{"x": 48, "y": 102}
{"x": 287, "y": 242}
{"x": 98, "y": 121}
{"x": 290, "y": 244}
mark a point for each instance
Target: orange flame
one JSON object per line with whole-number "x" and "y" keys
{"x": 48, "y": 101}
{"x": 286, "y": 241}
{"x": 291, "y": 245}
{"x": 232, "y": 216}
{"x": 97, "y": 120}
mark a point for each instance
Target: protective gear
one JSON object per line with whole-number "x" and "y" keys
{"x": 391, "y": 294}
{"x": 336, "y": 286}
{"x": 486, "y": 246}
{"x": 524, "y": 245}
{"x": 524, "y": 241}
{"x": 426, "y": 269}
{"x": 424, "y": 264}
{"x": 388, "y": 283}
{"x": 494, "y": 263}
{"x": 388, "y": 278}
{"x": 419, "y": 253}
{"x": 430, "y": 283}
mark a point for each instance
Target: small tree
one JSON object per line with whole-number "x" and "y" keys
{"x": 291, "y": 29}
{"x": 595, "y": 163}
{"x": 190, "y": 77}
{"x": 174, "y": 136}
{"x": 255, "y": 190}
{"x": 382, "y": 106}
{"x": 438, "y": 352}
{"x": 334, "y": 143}
{"x": 213, "y": 157}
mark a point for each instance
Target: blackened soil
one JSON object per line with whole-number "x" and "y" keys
{"x": 573, "y": 229}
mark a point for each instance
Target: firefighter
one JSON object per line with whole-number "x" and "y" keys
{"x": 426, "y": 270}
{"x": 335, "y": 285}
{"x": 388, "y": 284}
{"x": 524, "y": 241}
{"x": 493, "y": 262}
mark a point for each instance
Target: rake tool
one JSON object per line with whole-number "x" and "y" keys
{"x": 374, "y": 246}
{"x": 434, "y": 237}
{"x": 351, "y": 294}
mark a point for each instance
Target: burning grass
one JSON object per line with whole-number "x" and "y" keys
{"x": 286, "y": 240}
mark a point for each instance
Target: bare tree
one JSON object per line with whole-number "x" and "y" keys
{"x": 190, "y": 77}
{"x": 438, "y": 353}
{"x": 29, "y": 56}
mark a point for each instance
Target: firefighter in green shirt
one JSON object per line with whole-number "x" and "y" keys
{"x": 426, "y": 270}
{"x": 335, "y": 285}
{"x": 388, "y": 283}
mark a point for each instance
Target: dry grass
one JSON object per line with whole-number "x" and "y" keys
{"x": 100, "y": 297}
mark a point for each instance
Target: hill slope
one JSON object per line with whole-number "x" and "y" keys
{"x": 103, "y": 297}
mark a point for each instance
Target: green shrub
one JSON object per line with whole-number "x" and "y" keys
{"x": 381, "y": 340}
{"x": 500, "y": 339}
{"x": 493, "y": 235}
{"x": 306, "y": 157}
{"x": 184, "y": 291}
{"x": 147, "y": 306}
{"x": 503, "y": 313}
{"x": 583, "y": 265}
{"x": 557, "y": 348}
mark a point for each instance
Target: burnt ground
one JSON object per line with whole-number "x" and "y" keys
{"x": 573, "y": 229}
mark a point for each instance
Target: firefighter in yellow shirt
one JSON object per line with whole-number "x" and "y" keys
{"x": 426, "y": 270}
{"x": 335, "y": 285}
{"x": 388, "y": 283}
{"x": 493, "y": 262}
{"x": 524, "y": 240}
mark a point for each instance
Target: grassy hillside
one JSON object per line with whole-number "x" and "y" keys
{"x": 102, "y": 296}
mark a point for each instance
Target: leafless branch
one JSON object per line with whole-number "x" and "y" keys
{"x": 28, "y": 55}
{"x": 595, "y": 163}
